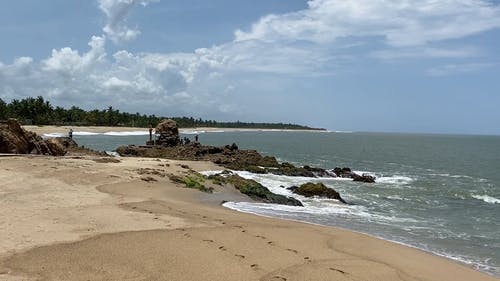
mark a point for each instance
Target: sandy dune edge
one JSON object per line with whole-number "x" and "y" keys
{"x": 75, "y": 219}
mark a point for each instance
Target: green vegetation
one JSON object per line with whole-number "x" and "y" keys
{"x": 253, "y": 189}
{"x": 192, "y": 180}
{"x": 37, "y": 111}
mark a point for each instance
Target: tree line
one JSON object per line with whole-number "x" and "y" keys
{"x": 38, "y": 111}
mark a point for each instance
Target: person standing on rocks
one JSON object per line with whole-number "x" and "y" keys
{"x": 150, "y": 132}
{"x": 70, "y": 133}
{"x": 196, "y": 138}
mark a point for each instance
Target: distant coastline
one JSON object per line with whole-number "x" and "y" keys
{"x": 38, "y": 111}
{"x": 63, "y": 130}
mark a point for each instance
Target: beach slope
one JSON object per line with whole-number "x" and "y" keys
{"x": 85, "y": 218}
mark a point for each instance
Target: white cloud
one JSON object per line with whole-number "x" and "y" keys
{"x": 116, "y": 12}
{"x": 310, "y": 43}
{"x": 451, "y": 69}
{"x": 398, "y": 22}
{"x": 425, "y": 52}
{"x": 69, "y": 61}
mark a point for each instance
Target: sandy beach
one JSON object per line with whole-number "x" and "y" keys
{"x": 98, "y": 129}
{"x": 80, "y": 219}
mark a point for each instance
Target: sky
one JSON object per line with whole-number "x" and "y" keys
{"x": 428, "y": 66}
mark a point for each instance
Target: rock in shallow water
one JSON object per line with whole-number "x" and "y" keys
{"x": 316, "y": 189}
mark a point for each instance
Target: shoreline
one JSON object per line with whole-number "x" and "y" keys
{"x": 119, "y": 211}
{"x": 373, "y": 236}
{"x": 63, "y": 130}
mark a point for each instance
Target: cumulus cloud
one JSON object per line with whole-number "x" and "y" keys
{"x": 313, "y": 42}
{"x": 117, "y": 12}
{"x": 397, "y": 22}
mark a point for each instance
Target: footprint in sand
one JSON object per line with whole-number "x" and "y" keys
{"x": 276, "y": 277}
{"x": 261, "y": 237}
{"x": 222, "y": 248}
{"x": 307, "y": 259}
{"x": 338, "y": 270}
{"x": 187, "y": 234}
{"x": 254, "y": 266}
{"x": 270, "y": 243}
{"x": 240, "y": 256}
{"x": 208, "y": 240}
{"x": 293, "y": 251}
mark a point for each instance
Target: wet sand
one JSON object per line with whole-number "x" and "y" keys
{"x": 77, "y": 219}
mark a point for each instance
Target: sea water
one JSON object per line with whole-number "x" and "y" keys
{"x": 438, "y": 193}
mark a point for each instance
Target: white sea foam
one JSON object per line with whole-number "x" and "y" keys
{"x": 54, "y": 135}
{"x": 113, "y": 153}
{"x": 487, "y": 199}
{"x": 83, "y": 133}
{"x": 189, "y": 132}
{"x": 394, "y": 180}
{"x": 130, "y": 133}
{"x": 111, "y": 133}
{"x": 452, "y": 176}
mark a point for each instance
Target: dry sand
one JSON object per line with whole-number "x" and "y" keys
{"x": 76, "y": 219}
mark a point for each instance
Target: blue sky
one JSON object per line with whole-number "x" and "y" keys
{"x": 364, "y": 65}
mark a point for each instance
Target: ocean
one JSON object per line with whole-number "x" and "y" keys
{"x": 438, "y": 193}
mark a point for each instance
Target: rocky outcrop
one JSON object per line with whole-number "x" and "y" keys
{"x": 254, "y": 190}
{"x": 316, "y": 189}
{"x": 347, "y": 173}
{"x": 15, "y": 139}
{"x": 364, "y": 178}
{"x": 231, "y": 157}
{"x": 168, "y": 132}
{"x": 168, "y": 145}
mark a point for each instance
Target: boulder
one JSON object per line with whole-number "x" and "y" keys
{"x": 364, "y": 178}
{"x": 15, "y": 139}
{"x": 316, "y": 189}
{"x": 348, "y": 173}
{"x": 168, "y": 132}
{"x": 343, "y": 172}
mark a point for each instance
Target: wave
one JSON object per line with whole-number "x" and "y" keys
{"x": 111, "y": 133}
{"x": 314, "y": 207}
{"x": 193, "y": 132}
{"x": 113, "y": 153}
{"x": 54, "y": 135}
{"x": 309, "y": 214}
{"x": 395, "y": 180}
{"x": 131, "y": 133}
{"x": 451, "y": 176}
{"x": 486, "y": 198}
{"x": 83, "y": 133}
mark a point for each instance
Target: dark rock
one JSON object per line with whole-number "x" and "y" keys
{"x": 343, "y": 172}
{"x": 364, "y": 178}
{"x": 168, "y": 133}
{"x": 254, "y": 190}
{"x": 316, "y": 189}
{"x": 15, "y": 139}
